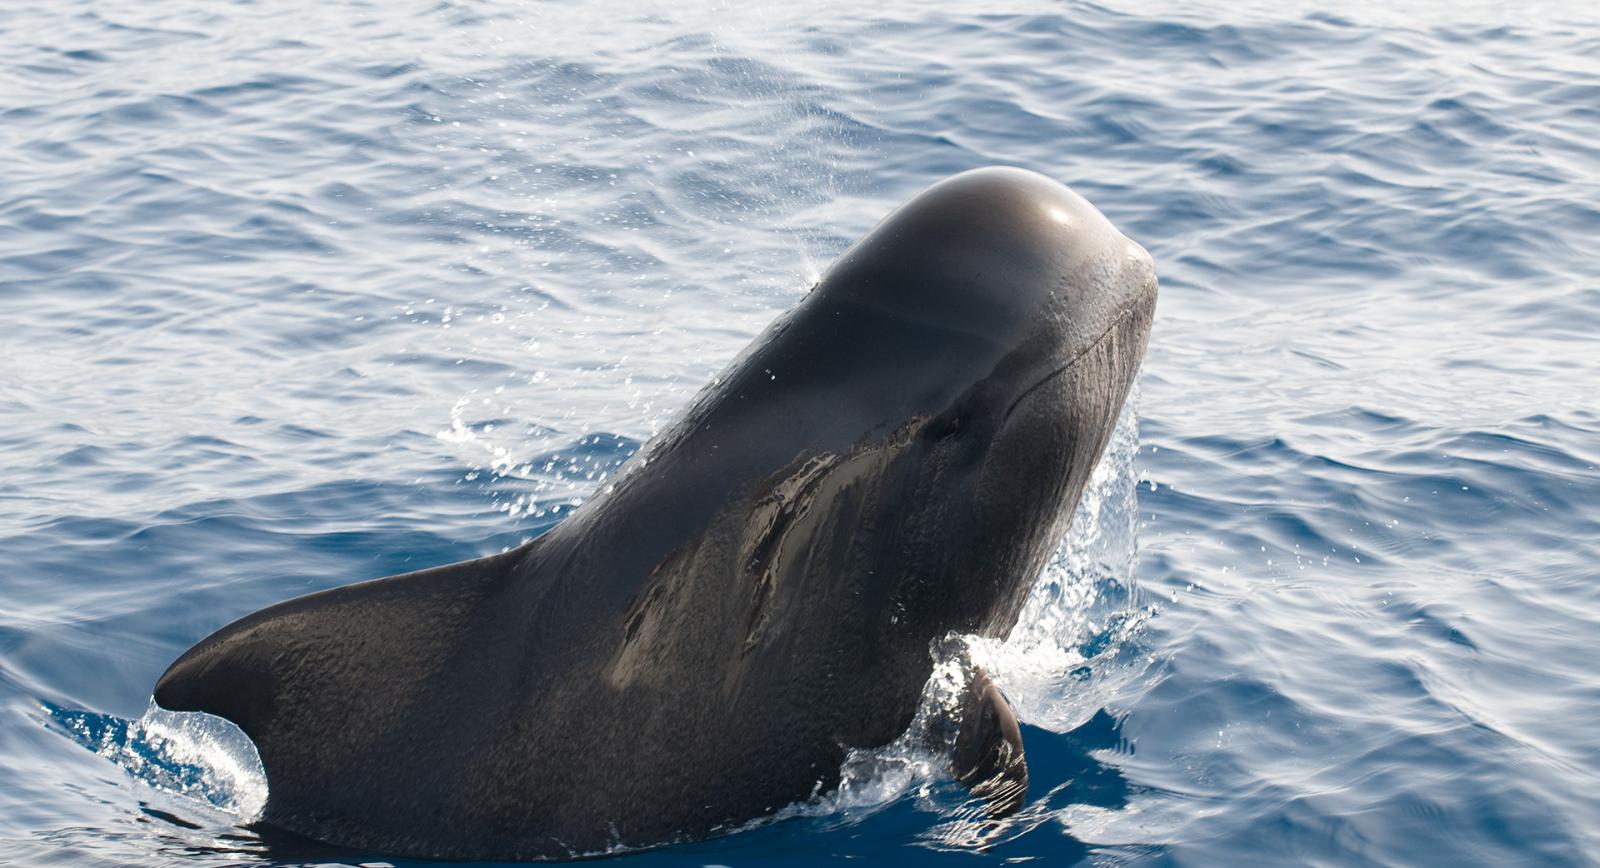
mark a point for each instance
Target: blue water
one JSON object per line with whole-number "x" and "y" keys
{"x": 295, "y": 294}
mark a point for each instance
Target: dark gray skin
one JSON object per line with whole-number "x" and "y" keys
{"x": 891, "y": 461}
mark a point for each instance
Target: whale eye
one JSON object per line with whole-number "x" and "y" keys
{"x": 943, "y": 427}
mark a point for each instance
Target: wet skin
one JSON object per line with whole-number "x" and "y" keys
{"x": 699, "y": 645}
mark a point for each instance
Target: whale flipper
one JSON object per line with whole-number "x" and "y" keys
{"x": 988, "y": 756}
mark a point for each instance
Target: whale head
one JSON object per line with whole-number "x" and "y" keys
{"x": 1021, "y": 317}
{"x": 896, "y": 457}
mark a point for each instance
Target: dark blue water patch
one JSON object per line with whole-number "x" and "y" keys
{"x": 53, "y": 151}
{"x": 27, "y": 215}
{"x": 389, "y": 70}
{"x": 84, "y": 251}
{"x": 86, "y": 54}
{"x": 139, "y": 36}
{"x": 166, "y": 108}
{"x": 1436, "y": 627}
{"x": 155, "y": 198}
{"x": 264, "y": 88}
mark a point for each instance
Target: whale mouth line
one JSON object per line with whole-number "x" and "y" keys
{"x": 1070, "y": 363}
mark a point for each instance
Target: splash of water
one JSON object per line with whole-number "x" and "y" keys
{"x": 1068, "y": 653}
{"x": 1068, "y": 650}
{"x": 810, "y": 270}
{"x": 190, "y": 754}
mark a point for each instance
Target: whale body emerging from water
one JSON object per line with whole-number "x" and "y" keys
{"x": 891, "y": 461}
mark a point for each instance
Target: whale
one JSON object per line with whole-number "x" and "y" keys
{"x": 758, "y": 592}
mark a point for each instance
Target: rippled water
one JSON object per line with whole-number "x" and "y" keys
{"x": 296, "y": 294}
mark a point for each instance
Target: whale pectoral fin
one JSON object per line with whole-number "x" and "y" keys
{"x": 988, "y": 756}
{"x": 327, "y": 685}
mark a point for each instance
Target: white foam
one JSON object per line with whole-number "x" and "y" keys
{"x": 188, "y": 753}
{"x": 1058, "y": 666}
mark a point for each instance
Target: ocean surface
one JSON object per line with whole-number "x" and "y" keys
{"x": 294, "y": 294}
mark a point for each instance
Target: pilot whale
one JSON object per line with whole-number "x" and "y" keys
{"x": 890, "y": 462}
